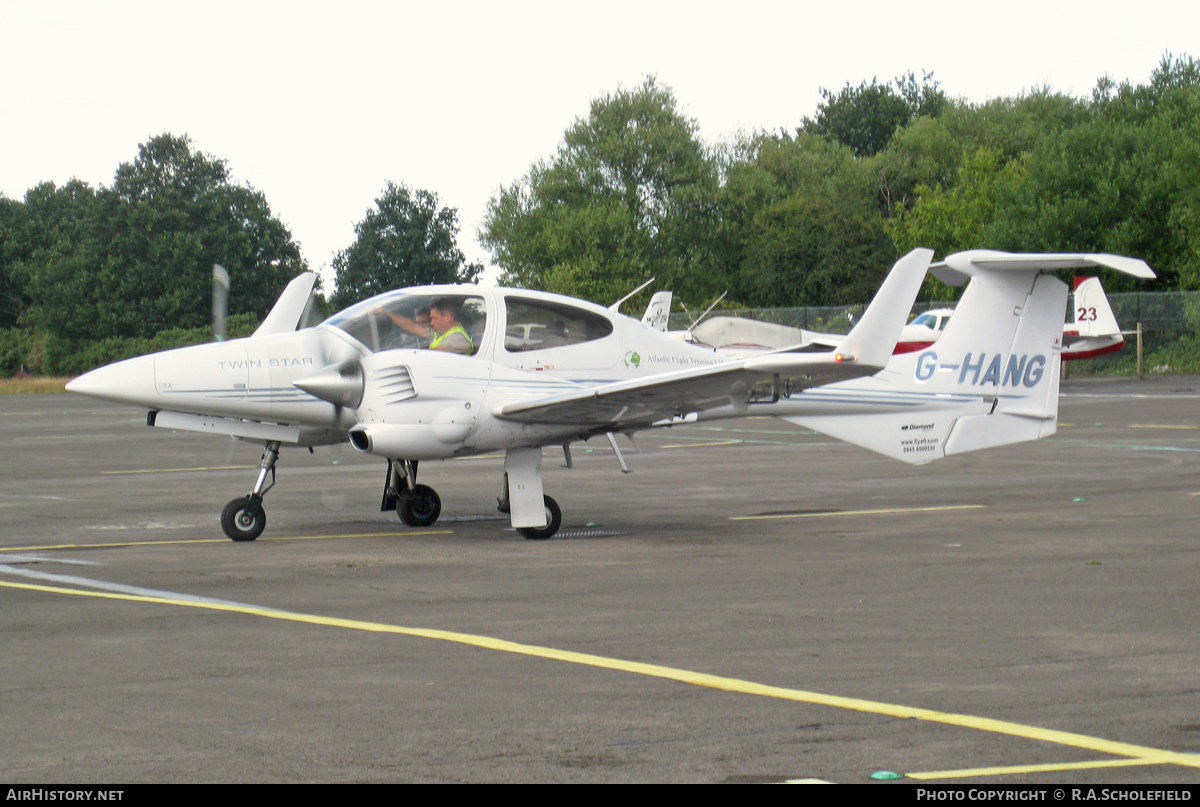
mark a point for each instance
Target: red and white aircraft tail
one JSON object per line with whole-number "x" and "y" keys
{"x": 1095, "y": 331}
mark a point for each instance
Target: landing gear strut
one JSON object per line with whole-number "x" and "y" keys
{"x": 243, "y": 519}
{"x": 417, "y": 505}
{"x": 553, "y": 515}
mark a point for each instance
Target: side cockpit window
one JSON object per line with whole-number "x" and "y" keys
{"x": 539, "y": 325}
{"x": 403, "y": 320}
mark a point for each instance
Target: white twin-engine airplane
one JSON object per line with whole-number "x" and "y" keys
{"x": 527, "y": 369}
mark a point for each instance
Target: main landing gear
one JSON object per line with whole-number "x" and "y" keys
{"x": 243, "y": 519}
{"x": 420, "y": 505}
{"x": 417, "y": 505}
{"x": 553, "y": 515}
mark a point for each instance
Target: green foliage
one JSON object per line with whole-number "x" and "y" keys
{"x": 405, "y": 240}
{"x": 865, "y": 117}
{"x": 135, "y": 258}
{"x": 1122, "y": 180}
{"x": 42, "y": 353}
{"x": 12, "y": 297}
{"x": 800, "y": 225}
{"x": 921, "y": 153}
{"x": 627, "y": 196}
{"x": 954, "y": 219}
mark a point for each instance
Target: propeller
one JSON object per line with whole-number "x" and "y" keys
{"x": 220, "y": 301}
{"x": 341, "y": 384}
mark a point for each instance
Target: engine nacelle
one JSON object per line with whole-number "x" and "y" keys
{"x": 410, "y": 441}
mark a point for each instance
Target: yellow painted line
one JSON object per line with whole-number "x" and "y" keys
{"x": 179, "y": 470}
{"x": 863, "y": 512}
{"x": 701, "y": 445}
{"x": 226, "y": 540}
{"x": 1047, "y": 768}
{"x": 55, "y": 437}
{"x": 1066, "y": 738}
{"x": 1158, "y": 426}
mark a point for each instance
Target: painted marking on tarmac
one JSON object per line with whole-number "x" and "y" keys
{"x": 703, "y": 445}
{"x": 1130, "y": 395}
{"x": 1158, "y": 426}
{"x": 1127, "y": 446}
{"x": 223, "y": 540}
{"x": 1139, "y": 754}
{"x": 47, "y": 559}
{"x": 884, "y": 511}
{"x": 104, "y": 585}
{"x": 967, "y": 773}
{"x": 179, "y": 470}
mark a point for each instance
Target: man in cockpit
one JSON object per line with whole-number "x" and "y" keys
{"x": 438, "y": 323}
{"x": 451, "y": 335}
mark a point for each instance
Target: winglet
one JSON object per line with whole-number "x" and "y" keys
{"x": 289, "y": 308}
{"x": 874, "y": 337}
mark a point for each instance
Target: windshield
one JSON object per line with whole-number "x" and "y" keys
{"x": 408, "y": 319}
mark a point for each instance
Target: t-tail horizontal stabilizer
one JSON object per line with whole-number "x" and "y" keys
{"x": 992, "y": 379}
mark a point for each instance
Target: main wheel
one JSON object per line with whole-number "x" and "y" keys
{"x": 239, "y": 524}
{"x": 553, "y": 522}
{"x": 419, "y": 507}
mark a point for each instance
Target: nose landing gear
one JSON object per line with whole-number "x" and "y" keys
{"x": 244, "y": 519}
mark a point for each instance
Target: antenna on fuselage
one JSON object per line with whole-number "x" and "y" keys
{"x": 617, "y": 305}
{"x": 696, "y": 321}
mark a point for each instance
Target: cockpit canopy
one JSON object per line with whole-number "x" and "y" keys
{"x": 401, "y": 319}
{"x": 934, "y": 320}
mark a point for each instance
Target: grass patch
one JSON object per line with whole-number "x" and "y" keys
{"x": 32, "y": 385}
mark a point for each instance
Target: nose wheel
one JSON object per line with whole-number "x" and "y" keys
{"x": 240, "y": 522}
{"x": 244, "y": 519}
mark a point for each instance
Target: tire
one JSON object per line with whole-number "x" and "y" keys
{"x": 237, "y": 522}
{"x": 553, "y": 522}
{"x": 419, "y": 507}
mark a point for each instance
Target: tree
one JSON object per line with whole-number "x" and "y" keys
{"x": 1121, "y": 180}
{"x": 13, "y": 247}
{"x": 626, "y": 197}
{"x": 800, "y": 224}
{"x": 865, "y": 117}
{"x": 136, "y": 258}
{"x": 406, "y": 240}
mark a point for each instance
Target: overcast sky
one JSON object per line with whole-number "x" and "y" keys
{"x": 318, "y": 105}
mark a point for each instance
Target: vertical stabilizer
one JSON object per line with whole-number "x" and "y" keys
{"x": 1093, "y": 315}
{"x": 658, "y": 312}
{"x": 991, "y": 379}
{"x": 289, "y": 309}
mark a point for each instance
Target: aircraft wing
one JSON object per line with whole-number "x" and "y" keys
{"x": 642, "y": 401}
